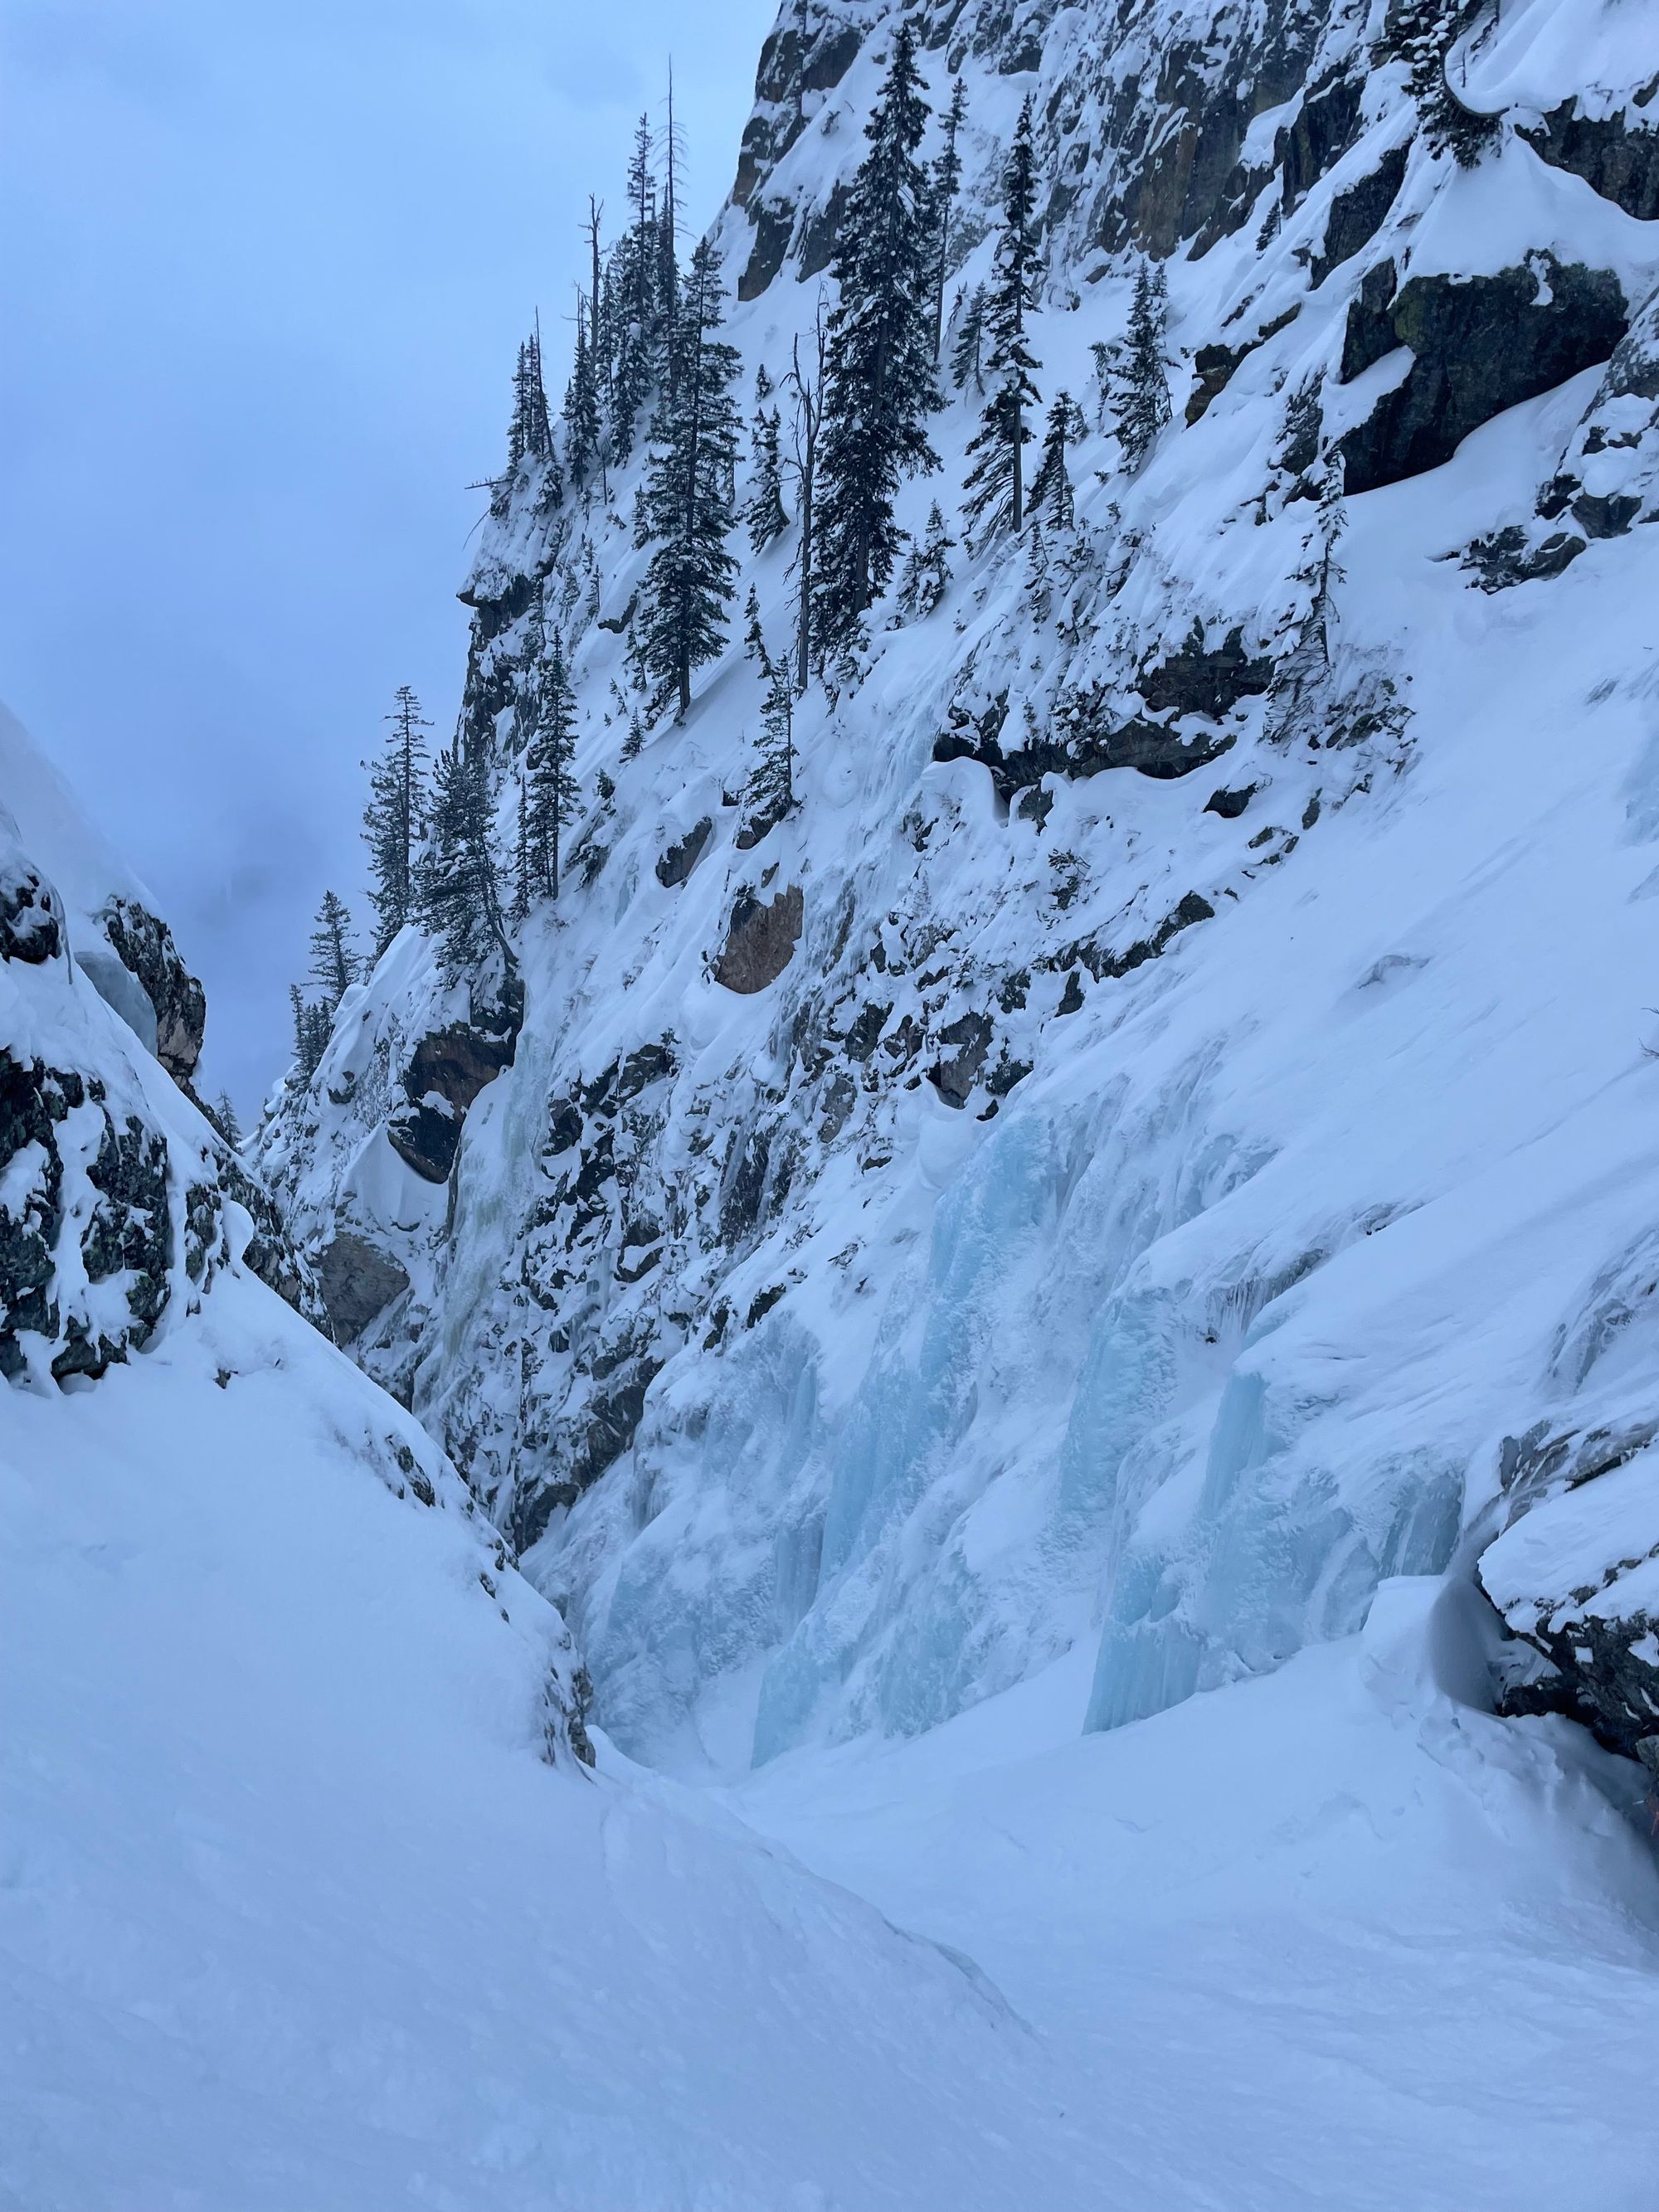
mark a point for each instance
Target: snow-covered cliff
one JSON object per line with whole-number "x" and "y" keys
{"x": 1159, "y": 1140}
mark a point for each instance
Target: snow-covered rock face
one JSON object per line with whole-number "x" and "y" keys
{"x": 1113, "y": 1162}
{"x": 131, "y": 1235}
{"x": 117, "y": 1193}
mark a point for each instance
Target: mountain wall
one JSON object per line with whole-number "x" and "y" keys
{"x": 1159, "y": 1140}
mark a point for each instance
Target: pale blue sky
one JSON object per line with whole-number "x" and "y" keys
{"x": 265, "y": 264}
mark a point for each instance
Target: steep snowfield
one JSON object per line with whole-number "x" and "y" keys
{"x": 293, "y": 1916}
{"x": 306, "y": 1899}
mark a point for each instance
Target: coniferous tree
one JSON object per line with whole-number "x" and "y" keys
{"x": 879, "y": 386}
{"x": 1140, "y": 400}
{"x": 806, "y": 385}
{"x": 524, "y": 857}
{"x": 667, "y": 243}
{"x": 927, "y": 574}
{"x": 1305, "y": 422}
{"x": 1306, "y": 672}
{"x": 947, "y": 181}
{"x": 224, "y": 1115}
{"x": 312, "y": 1024}
{"x": 333, "y": 961}
{"x": 764, "y": 511}
{"x": 550, "y": 788}
{"x": 1421, "y": 33}
{"x": 770, "y": 792}
{"x": 459, "y": 897}
{"x": 1037, "y": 583}
{"x": 967, "y": 346}
{"x": 517, "y": 426}
{"x": 530, "y": 435}
{"x": 995, "y": 489}
{"x": 302, "y": 1059}
{"x": 393, "y": 819}
{"x": 582, "y": 403}
{"x": 596, "y": 290}
{"x": 688, "y": 506}
{"x": 1051, "y": 487}
{"x": 638, "y": 280}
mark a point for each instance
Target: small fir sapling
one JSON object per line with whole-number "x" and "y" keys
{"x": 764, "y": 511}
{"x": 1139, "y": 398}
{"x": 394, "y": 819}
{"x": 927, "y": 574}
{"x": 1051, "y": 488}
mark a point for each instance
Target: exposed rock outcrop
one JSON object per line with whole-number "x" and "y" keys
{"x": 358, "y": 1281}
{"x": 1576, "y": 1577}
{"x": 760, "y": 941}
{"x": 145, "y": 946}
{"x": 1479, "y": 345}
{"x": 675, "y": 864}
{"x": 446, "y": 1072}
{"x": 1616, "y": 154}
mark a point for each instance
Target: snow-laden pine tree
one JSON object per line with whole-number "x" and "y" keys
{"x": 1421, "y": 33}
{"x": 764, "y": 511}
{"x": 688, "y": 506}
{"x": 1037, "y": 583}
{"x": 926, "y": 576}
{"x": 311, "y": 1029}
{"x": 994, "y": 493}
{"x": 1299, "y": 441}
{"x": 1305, "y": 673}
{"x": 946, "y": 183}
{"x": 1051, "y": 487}
{"x": 1139, "y": 398}
{"x": 550, "y": 786}
{"x": 333, "y": 961}
{"x": 581, "y": 404}
{"x": 769, "y": 791}
{"x": 459, "y": 895}
{"x": 968, "y": 345}
{"x": 635, "y": 269}
{"x": 393, "y": 818}
{"x": 667, "y": 303}
{"x": 805, "y": 384}
{"x": 879, "y": 387}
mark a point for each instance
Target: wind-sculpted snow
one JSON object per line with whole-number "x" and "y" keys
{"x": 1105, "y": 1169}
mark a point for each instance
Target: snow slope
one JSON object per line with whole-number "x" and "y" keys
{"x": 294, "y": 1915}
{"x": 1329, "y": 1939}
{"x": 307, "y": 1898}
